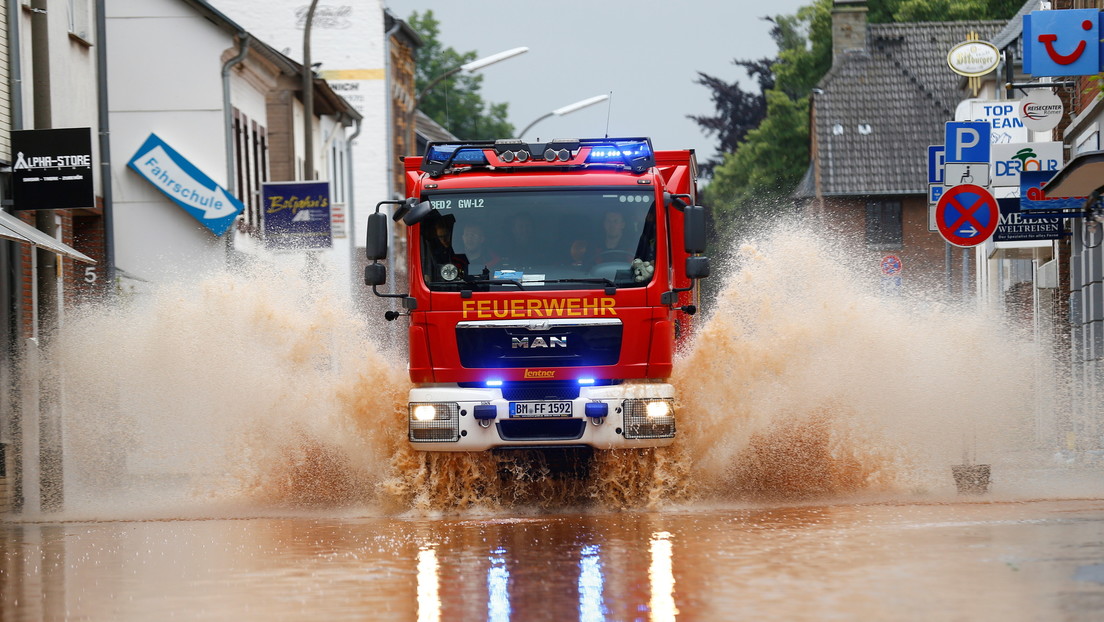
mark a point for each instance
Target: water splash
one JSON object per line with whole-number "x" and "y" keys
{"x": 256, "y": 385}
{"x": 263, "y": 389}
{"x": 806, "y": 379}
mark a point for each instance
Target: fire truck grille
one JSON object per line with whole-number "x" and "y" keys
{"x": 541, "y": 429}
{"x": 509, "y": 346}
{"x": 540, "y": 391}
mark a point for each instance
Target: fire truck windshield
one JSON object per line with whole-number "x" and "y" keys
{"x": 546, "y": 238}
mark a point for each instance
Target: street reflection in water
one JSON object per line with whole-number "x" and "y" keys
{"x": 923, "y": 560}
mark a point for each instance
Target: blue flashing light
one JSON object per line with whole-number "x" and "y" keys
{"x": 586, "y": 380}
{"x": 460, "y": 154}
{"x": 620, "y": 152}
{"x": 494, "y": 383}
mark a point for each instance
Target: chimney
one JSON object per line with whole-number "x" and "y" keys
{"x": 848, "y": 26}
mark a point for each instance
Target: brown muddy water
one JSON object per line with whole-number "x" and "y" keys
{"x": 1008, "y": 561}
{"x": 235, "y": 449}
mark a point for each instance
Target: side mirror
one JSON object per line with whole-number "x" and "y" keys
{"x": 375, "y": 245}
{"x": 693, "y": 228}
{"x": 697, "y": 267}
{"x": 417, "y": 213}
{"x": 375, "y": 274}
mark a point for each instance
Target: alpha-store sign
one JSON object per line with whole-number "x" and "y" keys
{"x": 52, "y": 169}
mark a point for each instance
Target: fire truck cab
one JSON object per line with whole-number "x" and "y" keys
{"x": 548, "y": 285}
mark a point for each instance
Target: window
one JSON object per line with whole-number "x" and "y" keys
{"x": 80, "y": 19}
{"x": 883, "y": 225}
{"x": 251, "y": 165}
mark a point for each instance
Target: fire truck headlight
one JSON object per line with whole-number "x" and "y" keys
{"x": 658, "y": 409}
{"x": 425, "y": 412}
{"x": 434, "y": 422}
{"x": 649, "y": 418}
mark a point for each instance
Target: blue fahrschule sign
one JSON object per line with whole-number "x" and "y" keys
{"x": 186, "y": 185}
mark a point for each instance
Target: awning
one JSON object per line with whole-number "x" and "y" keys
{"x": 11, "y": 228}
{"x": 1080, "y": 177}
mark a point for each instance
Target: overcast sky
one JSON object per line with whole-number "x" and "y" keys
{"x": 647, "y": 52}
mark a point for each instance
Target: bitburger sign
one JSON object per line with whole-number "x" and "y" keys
{"x": 973, "y": 58}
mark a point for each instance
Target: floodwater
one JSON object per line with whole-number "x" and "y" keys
{"x": 235, "y": 448}
{"x": 1026, "y": 560}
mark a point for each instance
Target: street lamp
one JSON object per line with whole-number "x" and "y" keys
{"x": 471, "y": 67}
{"x": 568, "y": 109}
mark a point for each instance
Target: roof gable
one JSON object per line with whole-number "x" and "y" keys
{"x": 877, "y": 110}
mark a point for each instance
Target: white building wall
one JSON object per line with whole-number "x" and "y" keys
{"x": 347, "y": 39}
{"x": 165, "y": 77}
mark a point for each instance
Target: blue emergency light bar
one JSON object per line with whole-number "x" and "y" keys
{"x": 635, "y": 154}
{"x": 455, "y": 153}
{"x": 622, "y": 152}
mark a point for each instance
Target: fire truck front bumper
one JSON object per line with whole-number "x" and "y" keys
{"x": 452, "y": 418}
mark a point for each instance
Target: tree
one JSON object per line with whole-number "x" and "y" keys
{"x": 738, "y": 111}
{"x": 454, "y": 102}
{"x": 758, "y": 175}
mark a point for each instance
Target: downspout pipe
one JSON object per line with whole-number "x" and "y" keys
{"x": 390, "y": 118}
{"x": 105, "y": 148}
{"x": 14, "y": 420}
{"x": 350, "y": 209}
{"x": 227, "y": 111}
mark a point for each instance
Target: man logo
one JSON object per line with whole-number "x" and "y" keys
{"x": 538, "y": 342}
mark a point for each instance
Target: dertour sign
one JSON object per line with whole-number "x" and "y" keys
{"x": 973, "y": 58}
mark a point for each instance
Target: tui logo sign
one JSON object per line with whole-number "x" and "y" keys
{"x": 1062, "y": 43}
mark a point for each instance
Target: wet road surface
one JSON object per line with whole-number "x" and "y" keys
{"x": 963, "y": 559}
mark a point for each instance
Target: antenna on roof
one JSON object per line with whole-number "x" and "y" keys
{"x": 609, "y": 107}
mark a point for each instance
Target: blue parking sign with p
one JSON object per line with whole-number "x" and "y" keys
{"x": 967, "y": 141}
{"x": 935, "y": 164}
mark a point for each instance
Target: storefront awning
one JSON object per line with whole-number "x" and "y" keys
{"x": 1080, "y": 177}
{"x": 11, "y": 228}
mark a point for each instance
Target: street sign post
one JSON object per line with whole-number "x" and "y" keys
{"x": 967, "y": 215}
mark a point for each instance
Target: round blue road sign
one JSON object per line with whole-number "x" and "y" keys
{"x": 967, "y": 215}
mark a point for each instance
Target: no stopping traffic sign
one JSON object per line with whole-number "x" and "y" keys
{"x": 967, "y": 215}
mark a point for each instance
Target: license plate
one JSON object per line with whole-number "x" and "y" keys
{"x": 540, "y": 409}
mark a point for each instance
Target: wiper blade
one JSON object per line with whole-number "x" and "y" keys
{"x": 603, "y": 281}
{"x": 494, "y": 282}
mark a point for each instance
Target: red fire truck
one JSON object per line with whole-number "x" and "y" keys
{"x": 548, "y": 287}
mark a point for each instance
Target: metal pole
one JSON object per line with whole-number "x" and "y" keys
{"x": 105, "y": 148}
{"x": 308, "y": 97}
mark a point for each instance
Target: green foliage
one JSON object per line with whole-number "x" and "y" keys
{"x": 755, "y": 180}
{"x": 454, "y": 102}
{"x": 804, "y": 48}
{"x": 953, "y": 10}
